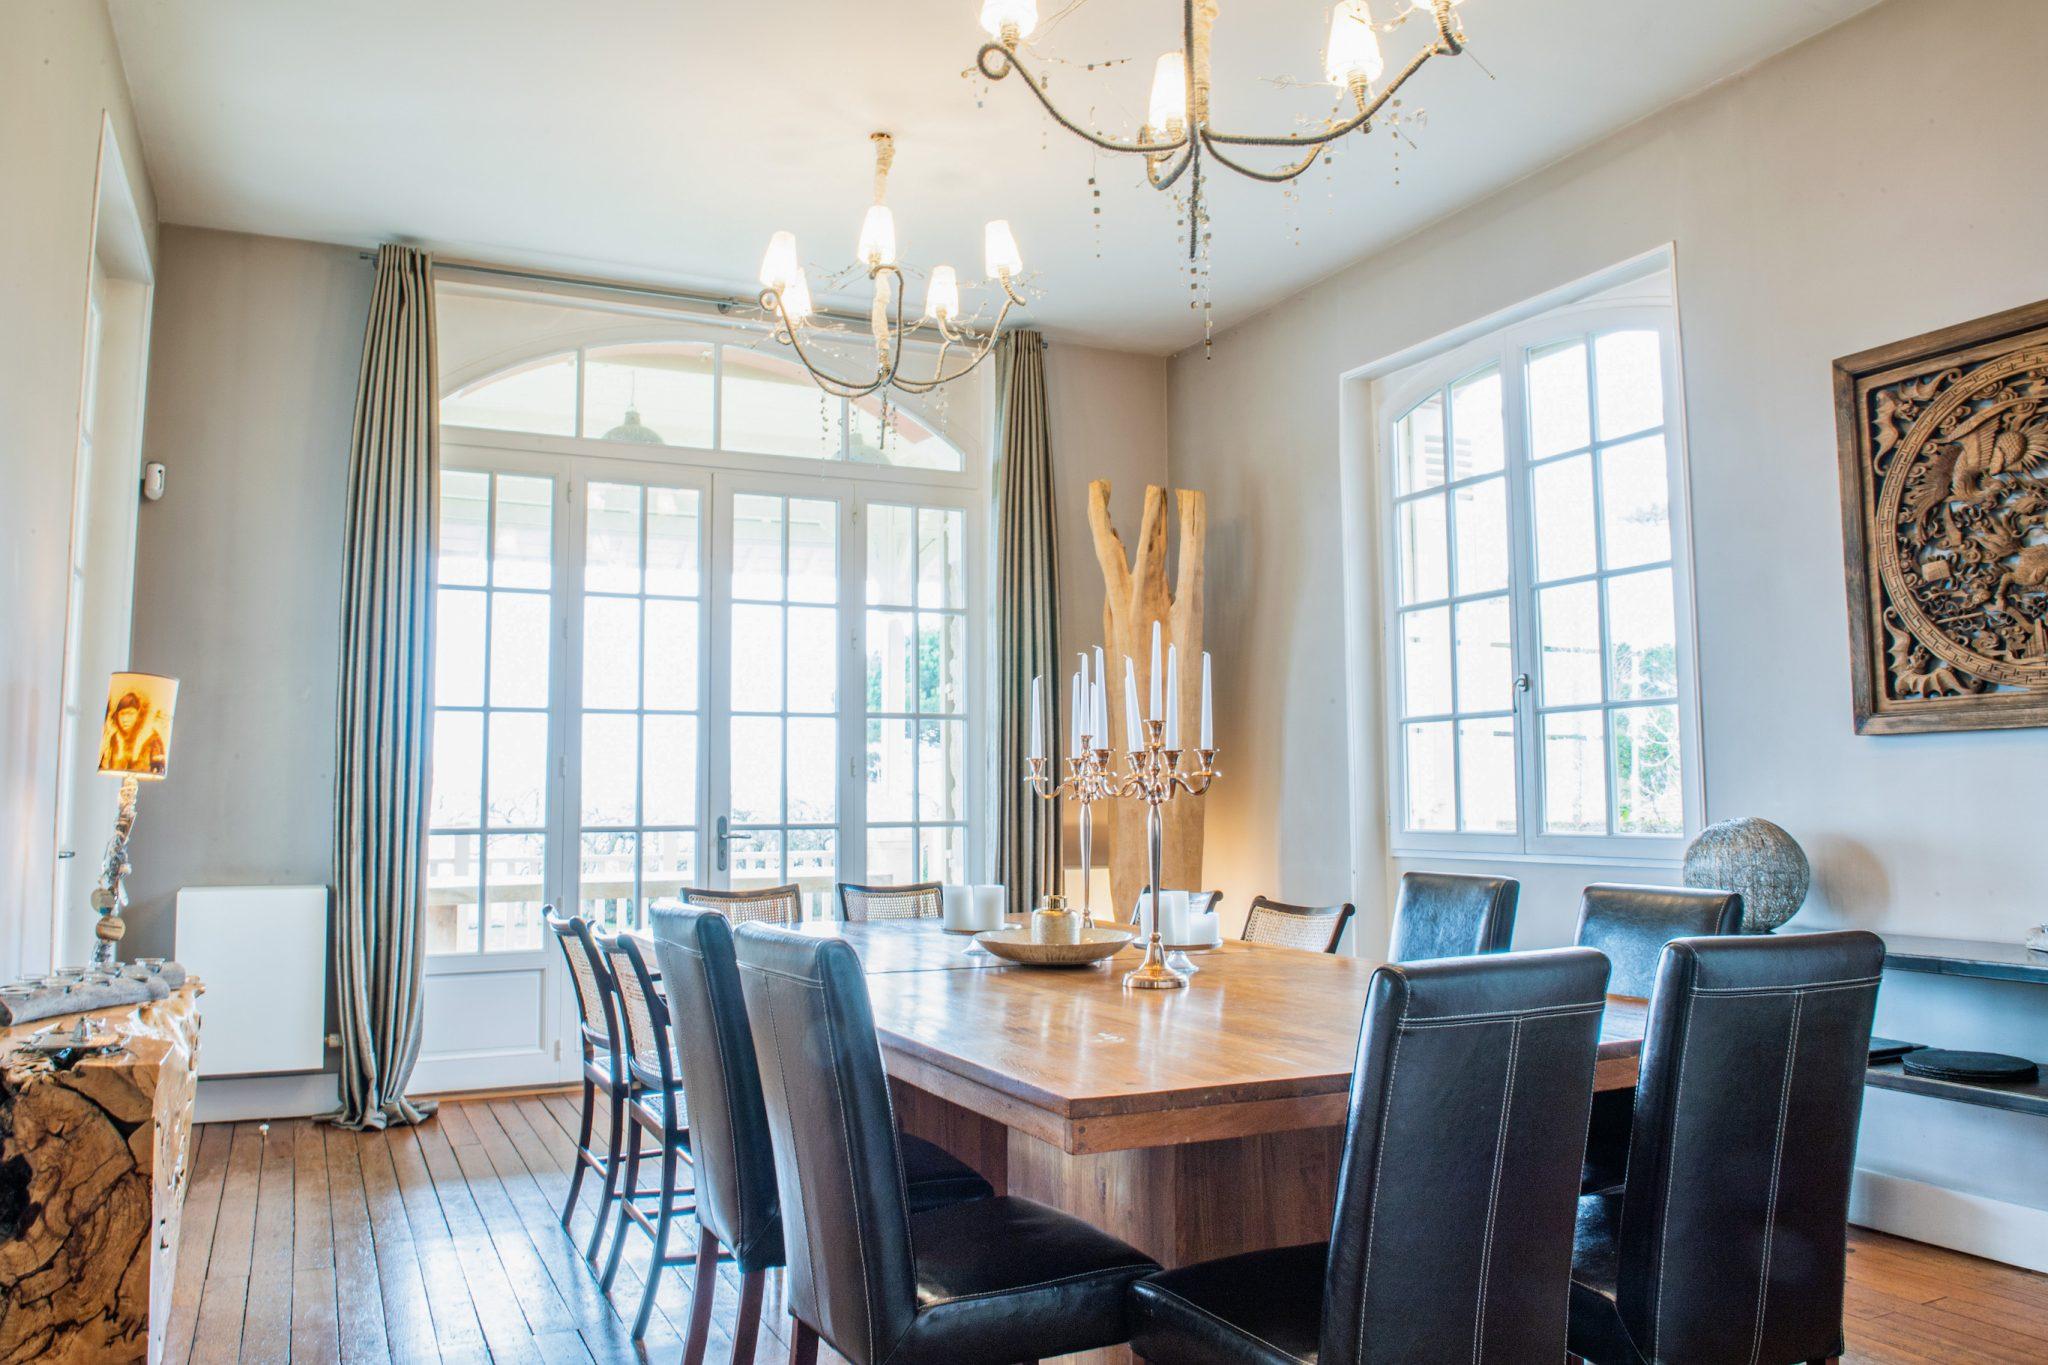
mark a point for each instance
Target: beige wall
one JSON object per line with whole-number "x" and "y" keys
{"x": 1866, "y": 186}
{"x": 59, "y": 74}
{"x": 238, "y": 579}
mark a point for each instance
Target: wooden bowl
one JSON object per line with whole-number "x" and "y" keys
{"x": 1015, "y": 945}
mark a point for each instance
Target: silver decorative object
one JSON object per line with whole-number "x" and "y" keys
{"x": 1758, "y": 859}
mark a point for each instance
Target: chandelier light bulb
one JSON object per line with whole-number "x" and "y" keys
{"x": 999, "y": 251}
{"x": 1169, "y": 108}
{"x": 1353, "y": 56}
{"x": 877, "y": 238}
{"x": 1009, "y": 21}
{"x": 796, "y": 297}
{"x": 780, "y": 265}
{"x": 942, "y": 295}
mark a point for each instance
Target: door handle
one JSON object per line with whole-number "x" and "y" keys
{"x": 724, "y": 842}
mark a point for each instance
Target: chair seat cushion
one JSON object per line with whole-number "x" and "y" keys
{"x": 936, "y": 1177}
{"x": 1596, "y": 1329}
{"x": 1008, "y": 1279}
{"x": 1264, "y": 1307}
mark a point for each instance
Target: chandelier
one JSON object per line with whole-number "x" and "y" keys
{"x": 1177, "y": 132}
{"x": 787, "y": 296}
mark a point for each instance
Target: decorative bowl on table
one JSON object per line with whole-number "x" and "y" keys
{"x": 1015, "y": 945}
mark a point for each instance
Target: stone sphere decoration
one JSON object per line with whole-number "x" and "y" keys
{"x": 1758, "y": 859}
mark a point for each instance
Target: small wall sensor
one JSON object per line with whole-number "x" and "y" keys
{"x": 153, "y": 481}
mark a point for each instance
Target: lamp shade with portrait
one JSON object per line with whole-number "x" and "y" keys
{"x": 136, "y": 740}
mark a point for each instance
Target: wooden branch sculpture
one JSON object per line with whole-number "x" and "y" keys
{"x": 1136, "y": 595}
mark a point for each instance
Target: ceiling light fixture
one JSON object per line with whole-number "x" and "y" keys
{"x": 787, "y": 295}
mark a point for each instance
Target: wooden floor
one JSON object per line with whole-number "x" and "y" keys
{"x": 305, "y": 1243}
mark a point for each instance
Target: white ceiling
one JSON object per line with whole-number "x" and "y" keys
{"x": 665, "y": 139}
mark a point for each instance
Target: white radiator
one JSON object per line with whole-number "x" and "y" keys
{"x": 262, "y": 952}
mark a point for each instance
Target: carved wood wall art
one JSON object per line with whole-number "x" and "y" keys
{"x": 1944, "y": 450}
{"x": 1136, "y": 595}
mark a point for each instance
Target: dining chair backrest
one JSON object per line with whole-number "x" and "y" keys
{"x": 643, "y": 1014}
{"x": 834, "y": 1137}
{"x": 1199, "y": 903}
{"x": 1317, "y": 928}
{"x": 1735, "y": 1213}
{"x": 1458, "y": 1187}
{"x": 866, "y": 904}
{"x": 729, "y": 1142}
{"x": 596, "y": 997}
{"x": 769, "y": 904}
{"x": 1442, "y": 914}
{"x": 1631, "y": 924}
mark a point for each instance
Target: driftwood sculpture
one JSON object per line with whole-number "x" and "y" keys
{"x": 1136, "y": 595}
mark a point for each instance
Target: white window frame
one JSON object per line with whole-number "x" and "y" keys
{"x": 1393, "y": 396}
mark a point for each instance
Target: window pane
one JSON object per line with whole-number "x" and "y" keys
{"x": 941, "y": 664}
{"x": 523, "y": 555}
{"x": 941, "y": 552}
{"x": 674, "y": 537}
{"x": 1475, "y": 425}
{"x": 892, "y": 857}
{"x": 454, "y": 872}
{"x": 610, "y": 769}
{"x": 814, "y": 866}
{"x": 611, "y": 550}
{"x": 611, "y": 652}
{"x": 771, "y": 407}
{"x": 459, "y": 647}
{"x": 1486, "y": 661}
{"x": 942, "y": 855}
{"x": 465, "y": 523}
{"x": 1486, "y": 774}
{"x": 669, "y": 864}
{"x": 1482, "y": 516}
{"x": 1642, "y": 657}
{"x": 1419, "y": 446}
{"x": 813, "y": 550}
{"x": 519, "y": 649}
{"x": 458, "y": 776}
{"x": 650, "y": 393}
{"x": 1571, "y": 644}
{"x": 1628, "y": 370}
{"x": 671, "y": 679}
{"x": 514, "y": 892}
{"x": 1425, "y": 560}
{"x": 669, "y": 758}
{"x": 1565, "y": 545}
{"x": 942, "y": 770}
{"x": 907, "y": 444}
{"x": 1560, "y": 418}
{"x": 892, "y": 683}
{"x": 519, "y": 768}
{"x": 1635, "y": 503}
{"x": 756, "y": 770}
{"x": 756, "y": 657}
{"x": 1574, "y": 773}
{"x": 1648, "y": 796}
{"x": 757, "y": 547}
{"x": 813, "y": 659}
{"x": 756, "y": 856}
{"x": 1432, "y": 781}
{"x": 538, "y": 396}
{"x": 891, "y": 556}
{"x": 814, "y": 769}
{"x": 606, "y": 892}
{"x": 890, "y": 771}
{"x": 1426, "y": 662}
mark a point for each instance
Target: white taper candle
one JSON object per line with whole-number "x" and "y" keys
{"x": 1153, "y": 714}
{"x": 1208, "y": 707}
{"x": 1037, "y": 720}
{"x": 1101, "y": 700}
{"x": 1131, "y": 704}
{"x": 1172, "y": 736}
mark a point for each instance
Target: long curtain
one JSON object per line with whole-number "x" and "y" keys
{"x": 1027, "y": 617}
{"x": 387, "y": 627}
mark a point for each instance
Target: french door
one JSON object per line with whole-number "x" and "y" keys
{"x": 655, "y": 676}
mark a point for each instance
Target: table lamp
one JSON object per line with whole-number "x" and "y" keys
{"x": 136, "y": 744}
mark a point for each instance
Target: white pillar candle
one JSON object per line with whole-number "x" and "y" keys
{"x": 1153, "y": 677}
{"x": 1037, "y": 721}
{"x": 1131, "y": 704}
{"x": 1172, "y": 697}
{"x": 988, "y": 907}
{"x": 1208, "y": 707}
{"x": 956, "y": 908}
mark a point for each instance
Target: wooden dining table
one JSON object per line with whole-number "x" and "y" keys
{"x": 1191, "y": 1123}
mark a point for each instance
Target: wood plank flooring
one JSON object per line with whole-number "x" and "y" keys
{"x": 305, "y": 1243}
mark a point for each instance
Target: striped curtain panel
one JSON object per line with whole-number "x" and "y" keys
{"x": 387, "y": 635}
{"x": 1027, "y": 620}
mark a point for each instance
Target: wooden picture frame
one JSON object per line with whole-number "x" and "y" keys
{"x": 1944, "y": 464}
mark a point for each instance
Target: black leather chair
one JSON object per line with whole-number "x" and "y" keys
{"x": 1631, "y": 924}
{"x": 738, "y": 1212}
{"x": 1728, "y": 1240}
{"x": 990, "y": 1280}
{"x": 1451, "y": 1240}
{"x": 604, "y": 1071}
{"x": 1441, "y": 914}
